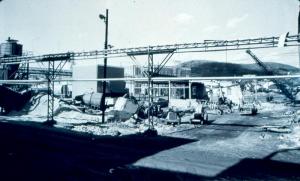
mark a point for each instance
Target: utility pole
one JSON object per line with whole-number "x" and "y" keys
{"x": 102, "y": 104}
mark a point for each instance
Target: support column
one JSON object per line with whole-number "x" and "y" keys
{"x": 50, "y": 77}
{"x": 184, "y": 92}
{"x": 190, "y": 89}
{"x": 27, "y": 70}
{"x": 133, "y": 88}
{"x": 169, "y": 90}
{"x": 255, "y": 90}
{"x": 150, "y": 88}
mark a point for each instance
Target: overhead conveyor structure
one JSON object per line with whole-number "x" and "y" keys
{"x": 206, "y": 46}
{"x": 56, "y": 62}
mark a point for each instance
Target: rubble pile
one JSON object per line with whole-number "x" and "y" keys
{"x": 125, "y": 115}
{"x": 130, "y": 127}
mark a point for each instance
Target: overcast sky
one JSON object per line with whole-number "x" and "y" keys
{"x": 55, "y": 26}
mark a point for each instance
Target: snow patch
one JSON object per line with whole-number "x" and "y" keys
{"x": 291, "y": 140}
{"x": 266, "y": 106}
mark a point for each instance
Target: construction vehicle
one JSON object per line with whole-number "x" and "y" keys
{"x": 200, "y": 115}
{"x": 278, "y": 83}
{"x": 248, "y": 108}
{"x": 219, "y": 102}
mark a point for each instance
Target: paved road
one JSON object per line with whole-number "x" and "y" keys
{"x": 31, "y": 151}
{"x": 231, "y": 148}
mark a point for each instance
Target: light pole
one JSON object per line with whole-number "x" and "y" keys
{"x": 102, "y": 104}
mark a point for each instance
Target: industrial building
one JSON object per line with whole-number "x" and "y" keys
{"x": 171, "y": 71}
{"x": 178, "y": 89}
{"x": 115, "y": 88}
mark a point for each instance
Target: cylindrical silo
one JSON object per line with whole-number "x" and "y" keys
{"x": 10, "y": 48}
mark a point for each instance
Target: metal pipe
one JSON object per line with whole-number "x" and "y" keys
{"x": 155, "y": 79}
{"x": 192, "y": 79}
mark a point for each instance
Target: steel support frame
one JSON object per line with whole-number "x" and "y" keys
{"x": 151, "y": 72}
{"x": 150, "y": 89}
{"x": 22, "y": 65}
{"x": 52, "y": 73}
{"x": 50, "y": 86}
{"x": 206, "y": 46}
{"x": 43, "y": 71}
{"x": 163, "y": 63}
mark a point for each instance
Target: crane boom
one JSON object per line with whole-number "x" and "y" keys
{"x": 278, "y": 84}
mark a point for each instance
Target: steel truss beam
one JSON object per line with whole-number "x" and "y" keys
{"x": 21, "y": 75}
{"x": 163, "y": 63}
{"x": 206, "y": 46}
{"x": 43, "y": 71}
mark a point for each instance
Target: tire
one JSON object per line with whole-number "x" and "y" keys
{"x": 253, "y": 111}
{"x": 219, "y": 112}
{"x": 228, "y": 111}
{"x": 205, "y": 117}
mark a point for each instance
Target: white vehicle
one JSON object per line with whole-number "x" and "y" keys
{"x": 173, "y": 118}
{"x": 248, "y": 109}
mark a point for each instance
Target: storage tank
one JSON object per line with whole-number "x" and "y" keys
{"x": 92, "y": 99}
{"x": 10, "y": 48}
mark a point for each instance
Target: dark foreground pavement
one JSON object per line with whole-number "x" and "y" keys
{"x": 31, "y": 151}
